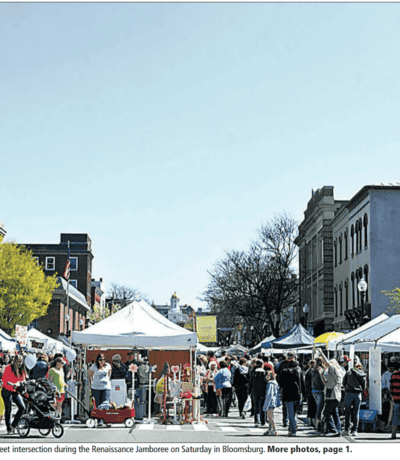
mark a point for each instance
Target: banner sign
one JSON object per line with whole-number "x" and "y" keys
{"x": 206, "y": 328}
{"x": 38, "y": 344}
{"x": 21, "y": 334}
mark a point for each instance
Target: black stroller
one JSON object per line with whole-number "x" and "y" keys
{"x": 39, "y": 396}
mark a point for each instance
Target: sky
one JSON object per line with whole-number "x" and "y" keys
{"x": 171, "y": 132}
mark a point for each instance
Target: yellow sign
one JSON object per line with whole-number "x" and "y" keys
{"x": 206, "y": 328}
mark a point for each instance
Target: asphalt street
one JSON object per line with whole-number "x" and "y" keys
{"x": 211, "y": 430}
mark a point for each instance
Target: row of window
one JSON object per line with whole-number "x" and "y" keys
{"x": 358, "y": 233}
{"x": 50, "y": 263}
{"x": 342, "y": 291}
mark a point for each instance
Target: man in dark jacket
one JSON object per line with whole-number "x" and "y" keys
{"x": 292, "y": 384}
{"x": 241, "y": 384}
{"x": 354, "y": 383}
{"x": 257, "y": 388}
{"x": 118, "y": 371}
{"x": 283, "y": 364}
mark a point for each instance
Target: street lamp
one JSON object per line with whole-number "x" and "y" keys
{"x": 362, "y": 288}
{"x": 306, "y": 309}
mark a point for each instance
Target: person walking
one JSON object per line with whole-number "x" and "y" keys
{"x": 354, "y": 382}
{"x": 209, "y": 389}
{"x": 222, "y": 381}
{"x": 271, "y": 402}
{"x": 40, "y": 369}
{"x": 57, "y": 376}
{"x": 241, "y": 385}
{"x": 13, "y": 375}
{"x": 318, "y": 390}
{"x": 311, "y": 404}
{"x": 395, "y": 391}
{"x": 257, "y": 388}
{"x": 292, "y": 385}
{"x": 333, "y": 393}
{"x": 99, "y": 377}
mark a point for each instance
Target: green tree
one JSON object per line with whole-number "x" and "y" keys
{"x": 25, "y": 291}
{"x": 394, "y": 296}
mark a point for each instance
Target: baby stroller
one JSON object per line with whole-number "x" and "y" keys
{"x": 39, "y": 396}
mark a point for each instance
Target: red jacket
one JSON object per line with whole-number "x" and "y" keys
{"x": 9, "y": 376}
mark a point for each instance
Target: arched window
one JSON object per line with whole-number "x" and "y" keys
{"x": 352, "y": 240}
{"x": 366, "y": 230}
{"x": 335, "y": 252}
{"x": 366, "y": 270}
{"x": 336, "y": 302}
{"x": 346, "y": 245}
{"x": 346, "y": 295}
{"x": 341, "y": 299}
{"x": 356, "y": 232}
{"x": 340, "y": 249}
{"x": 352, "y": 290}
{"x": 360, "y": 234}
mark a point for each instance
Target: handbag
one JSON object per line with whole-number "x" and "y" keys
{"x": 218, "y": 391}
{"x": 248, "y": 404}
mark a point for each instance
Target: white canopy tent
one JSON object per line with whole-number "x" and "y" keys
{"x": 236, "y": 350}
{"x": 202, "y": 349}
{"x": 137, "y": 325}
{"x": 384, "y": 334}
{"x": 49, "y": 344}
{"x": 335, "y": 343}
{"x": 7, "y": 343}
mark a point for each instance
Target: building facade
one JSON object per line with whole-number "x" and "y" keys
{"x": 70, "y": 305}
{"x": 315, "y": 242}
{"x": 53, "y": 258}
{"x": 366, "y": 244}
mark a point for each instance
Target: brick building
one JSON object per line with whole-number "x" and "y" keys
{"x": 53, "y": 258}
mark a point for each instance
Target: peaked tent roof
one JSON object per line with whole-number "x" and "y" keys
{"x": 297, "y": 337}
{"x": 7, "y": 342}
{"x": 51, "y": 344}
{"x": 335, "y": 343}
{"x": 257, "y": 348}
{"x": 385, "y": 334}
{"x": 136, "y": 325}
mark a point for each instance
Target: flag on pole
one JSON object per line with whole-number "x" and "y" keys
{"x": 67, "y": 270}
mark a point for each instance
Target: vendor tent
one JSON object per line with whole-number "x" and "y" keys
{"x": 327, "y": 337}
{"x": 257, "y": 348}
{"x": 7, "y": 343}
{"x": 297, "y": 337}
{"x": 236, "y": 350}
{"x": 202, "y": 349}
{"x": 335, "y": 343}
{"x": 385, "y": 334}
{"x": 39, "y": 341}
{"x": 137, "y": 325}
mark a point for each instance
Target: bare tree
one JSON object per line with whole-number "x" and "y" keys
{"x": 256, "y": 286}
{"x": 122, "y": 295}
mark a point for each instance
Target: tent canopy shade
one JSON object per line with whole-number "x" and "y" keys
{"x": 297, "y": 337}
{"x": 137, "y": 325}
{"x": 335, "y": 343}
{"x": 384, "y": 334}
{"x": 327, "y": 337}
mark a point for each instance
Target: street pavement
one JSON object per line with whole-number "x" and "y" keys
{"x": 211, "y": 430}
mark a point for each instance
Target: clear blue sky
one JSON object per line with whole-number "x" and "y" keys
{"x": 171, "y": 132}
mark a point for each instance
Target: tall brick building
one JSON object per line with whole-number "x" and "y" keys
{"x": 53, "y": 258}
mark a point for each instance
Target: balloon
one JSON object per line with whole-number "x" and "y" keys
{"x": 70, "y": 355}
{"x": 30, "y": 361}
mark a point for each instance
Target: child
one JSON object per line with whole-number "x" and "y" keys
{"x": 271, "y": 401}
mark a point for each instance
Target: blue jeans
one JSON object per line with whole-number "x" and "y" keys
{"x": 140, "y": 403}
{"x": 9, "y": 397}
{"x": 101, "y": 396}
{"x": 291, "y": 411}
{"x": 352, "y": 402}
{"x": 259, "y": 414}
{"x": 319, "y": 401}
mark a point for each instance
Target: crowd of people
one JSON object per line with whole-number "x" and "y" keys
{"x": 13, "y": 371}
{"x": 332, "y": 390}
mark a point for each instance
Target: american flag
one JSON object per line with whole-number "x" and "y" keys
{"x": 67, "y": 270}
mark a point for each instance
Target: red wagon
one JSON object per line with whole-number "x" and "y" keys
{"x": 126, "y": 415}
